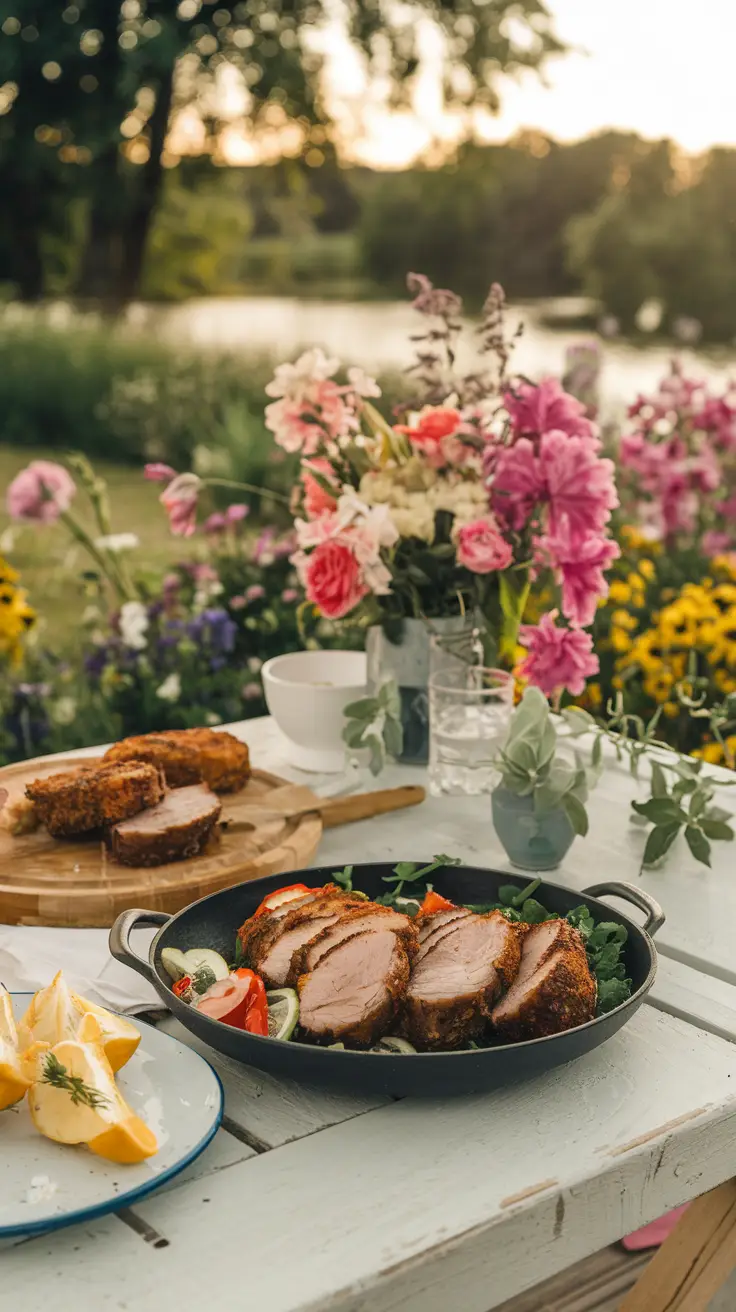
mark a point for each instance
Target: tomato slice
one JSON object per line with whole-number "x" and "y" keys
{"x": 435, "y": 902}
{"x": 240, "y": 1001}
{"x": 281, "y": 895}
{"x": 227, "y": 1000}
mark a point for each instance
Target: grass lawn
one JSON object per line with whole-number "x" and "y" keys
{"x": 48, "y": 560}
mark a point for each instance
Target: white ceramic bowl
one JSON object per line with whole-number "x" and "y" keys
{"x": 306, "y": 693}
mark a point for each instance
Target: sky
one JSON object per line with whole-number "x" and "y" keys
{"x": 659, "y": 67}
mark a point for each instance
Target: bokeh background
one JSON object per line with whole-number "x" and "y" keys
{"x": 193, "y": 192}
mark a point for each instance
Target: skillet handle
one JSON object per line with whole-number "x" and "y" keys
{"x": 119, "y": 940}
{"x": 655, "y": 916}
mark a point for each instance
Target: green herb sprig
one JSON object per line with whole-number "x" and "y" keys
{"x": 407, "y": 872}
{"x": 374, "y": 723}
{"x": 57, "y": 1075}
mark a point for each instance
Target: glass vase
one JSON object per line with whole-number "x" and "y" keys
{"x": 403, "y": 658}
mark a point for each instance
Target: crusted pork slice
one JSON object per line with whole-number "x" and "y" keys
{"x": 554, "y": 989}
{"x": 354, "y": 992}
{"x": 80, "y": 801}
{"x": 456, "y": 980}
{"x": 271, "y": 940}
{"x": 370, "y": 916}
{"x": 178, "y": 827}
{"x": 190, "y": 756}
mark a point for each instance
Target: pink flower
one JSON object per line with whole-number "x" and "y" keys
{"x": 430, "y": 430}
{"x": 557, "y": 658}
{"x": 236, "y": 514}
{"x": 179, "y": 500}
{"x": 158, "y": 473}
{"x": 252, "y": 691}
{"x": 289, "y": 595}
{"x": 537, "y": 410}
{"x": 318, "y": 412}
{"x": 579, "y": 561}
{"x": 238, "y": 602}
{"x": 40, "y": 492}
{"x": 215, "y": 523}
{"x": 317, "y": 501}
{"x": 255, "y": 592}
{"x": 716, "y": 541}
{"x": 333, "y": 579}
{"x": 481, "y": 548}
{"x": 579, "y": 483}
{"x": 516, "y": 482}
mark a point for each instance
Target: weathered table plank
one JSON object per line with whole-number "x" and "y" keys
{"x": 271, "y": 1112}
{"x": 427, "y": 1205}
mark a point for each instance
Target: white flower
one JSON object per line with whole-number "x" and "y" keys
{"x": 312, "y": 366}
{"x": 212, "y": 718}
{"x": 362, "y": 383}
{"x": 254, "y": 664}
{"x": 133, "y": 624}
{"x": 416, "y": 520}
{"x": 63, "y": 710}
{"x": 118, "y": 542}
{"x": 170, "y": 689}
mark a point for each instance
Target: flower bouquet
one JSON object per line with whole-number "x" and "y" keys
{"x": 480, "y": 486}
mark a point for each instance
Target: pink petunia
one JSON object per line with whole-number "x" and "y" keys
{"x": 236, "y": 514}
{"x": 517, "y": 484}
{"x": 579, "y": 483}
{"x": 481, "y": 548}
{"x": 539, "y": 409}
{"x": 179, "y": 500}
{"x": 579, "y": 561}
{"x": 557, "y": 659}
{"x": 41, "y": 492}
{"x": 159, "y": 473}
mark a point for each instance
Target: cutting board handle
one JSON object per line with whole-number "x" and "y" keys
{"x": 345, "y": 810}
{"x": 119, "y": 941}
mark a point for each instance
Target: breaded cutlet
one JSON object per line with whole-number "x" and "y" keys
{"x": 190, "y": 756}
{"x": 78, "y": 801}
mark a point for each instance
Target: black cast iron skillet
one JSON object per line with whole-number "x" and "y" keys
{"x": 213, "y": 921}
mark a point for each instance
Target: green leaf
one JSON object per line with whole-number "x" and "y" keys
{"x": 596, "y": 755}
{"x": 378, "y": 755}
{"x": 344, "y": 878}
{"x": 716, "y": 828}
{"x": 698, "y": 844}
{"x": 659, "y": 843}
{"x": 578, "y": 720}
{"x": 366, "y": 709}
{"x": 719, "y": 813}
{"x": 533, "y": 913}
{"x": 659, "y": 781}
{"x": 576, "y": 814}
{"x": 682, "y": 787}
{"x": 698, "y": 803}
{"x": 390, "y": 699}
{"x": 661, "y": 811}
{"x": 352, "y": 734}
{"x": 393, "y": 737}
{"x": 611, "y": 993}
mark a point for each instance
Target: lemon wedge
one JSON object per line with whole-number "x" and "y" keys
{"x": 74, "y": 1099}
{"x": 55, "y": 1014}
{"x": 13, "y": 1082}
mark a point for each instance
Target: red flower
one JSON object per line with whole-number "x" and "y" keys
{"x": 333, "y": 579}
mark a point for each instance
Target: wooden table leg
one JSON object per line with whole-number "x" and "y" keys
{"x": 694, "y": 1262}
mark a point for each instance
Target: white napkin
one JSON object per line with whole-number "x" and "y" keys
{"x": 31, "y": 956}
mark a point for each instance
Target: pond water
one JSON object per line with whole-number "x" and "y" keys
{"x": 376, "y": 336}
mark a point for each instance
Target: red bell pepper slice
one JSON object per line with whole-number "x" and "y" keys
{"x": 435, "y": 902}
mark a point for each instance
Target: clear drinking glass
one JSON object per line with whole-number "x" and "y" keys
{"x": 470, "y": 707}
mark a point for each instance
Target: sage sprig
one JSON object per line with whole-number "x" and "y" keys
{"x": 374, "y": 723}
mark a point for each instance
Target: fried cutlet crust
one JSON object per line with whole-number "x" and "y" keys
{"x": 78, "y": 801}
{"x": 190, "y": 756}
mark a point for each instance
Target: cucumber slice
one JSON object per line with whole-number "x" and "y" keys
{"x": 333, "y": 1047}
{"x": 394, "y": 1046}
{"x": 283, "y": 1013}
{"x": 174, "y": 963}
{"x": 196, "y": 957}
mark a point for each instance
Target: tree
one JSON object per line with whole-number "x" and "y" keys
{"x": 87, "y": 94}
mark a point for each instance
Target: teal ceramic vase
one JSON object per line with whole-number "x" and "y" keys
{"x": 533, "y": 840}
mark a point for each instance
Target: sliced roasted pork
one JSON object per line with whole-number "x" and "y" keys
{"x": 429, "y": 925}
{"x": 253, "y": 930}
{"x": 180, "y": 826}
{"x": 354, "y": 992}
{"x": 456, "y": 981}
{"x": 554, "y": 989}
{"x": 371, "y": 917}
{"x": 275, "y": 937}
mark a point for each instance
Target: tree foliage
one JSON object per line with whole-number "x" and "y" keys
{"x": 88, "y": 90}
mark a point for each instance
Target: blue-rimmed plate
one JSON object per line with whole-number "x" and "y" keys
{"x": 47, "y": 1185}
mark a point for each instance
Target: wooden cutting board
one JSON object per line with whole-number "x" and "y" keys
{"x": 70, "y": 882}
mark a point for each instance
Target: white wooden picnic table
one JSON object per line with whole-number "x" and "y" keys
{"x": 309, "y": 1200}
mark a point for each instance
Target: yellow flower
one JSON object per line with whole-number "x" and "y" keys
{"x": 647, "y": 652}
{"x": 623, "y": 619}
{"x": 659, "y": 686}
{"x": 720, "y": 637}
{"x": 636, "y": 540}
{"x": 594, "y": 695}
{"x": 646, "y": 567}
{"x": 711, "y": 753}
{"x": 16, "y": 615}
{"x": 620, "y": 640}
{"x": 619, "y": 592}
{"x": 671, "y": 710}
{"x": 678, "y": 623}
{"x": 725, "y": 564}
{"x": 724, "y": 596}
{"x": 725, "y": 682}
